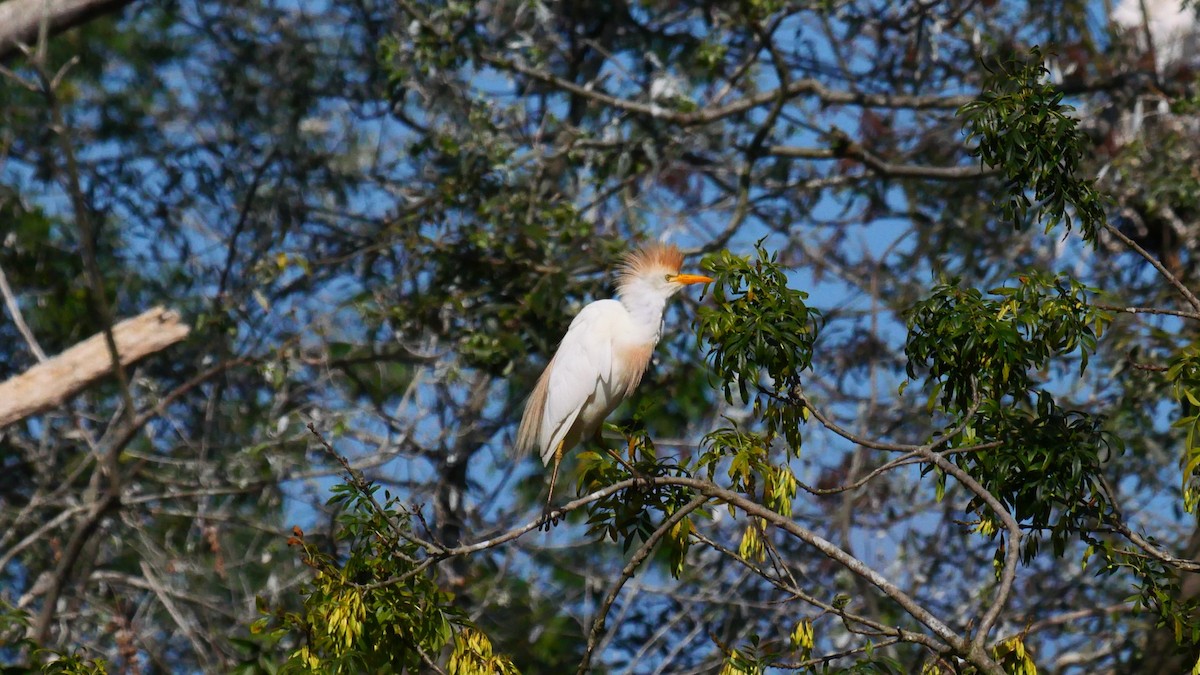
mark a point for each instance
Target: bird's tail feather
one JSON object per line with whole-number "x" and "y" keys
{"x": 531, "y": 421}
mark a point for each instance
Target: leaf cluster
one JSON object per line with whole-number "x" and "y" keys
{"x": 374, "y": 604}
{"x": 1047, "y": 472}
{"x": 633, "y": 515}
{"x": 1015, "y": 657}
{"x": 1021, "y": 126}
{"x": 1156, "y": 587}
{"x": 1184, "y": 375}
{"x": 977, "y": 348}
{"x": 981, "y": 354}
{"x": 757, "y": 325}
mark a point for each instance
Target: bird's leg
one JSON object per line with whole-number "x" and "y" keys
{"x": 547, "y": 521}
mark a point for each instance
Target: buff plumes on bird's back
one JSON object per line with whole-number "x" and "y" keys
{"x": 602, "y": 357}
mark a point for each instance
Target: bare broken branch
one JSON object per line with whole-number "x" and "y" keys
{"x": 50, "y": 384}
{"x": 22, "y": 20}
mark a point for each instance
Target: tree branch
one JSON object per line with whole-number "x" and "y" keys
{"x": 22, "y": 20}
{"x": 851, "y": 150}
{"x": 50, "y": 384}
{"x": 961, "y": 646}
{"x": 635, "y": 562}
{"x": 928, "y": 452}
{"x": 1171, "y": 278}
{"x": 40, "y": 630}
{"x": 88, "y": 232}
{"x": 14, "y": 310}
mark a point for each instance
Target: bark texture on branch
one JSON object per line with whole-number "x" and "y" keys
{"x": 20, "y": 20}
{"x": 50, "y": 384}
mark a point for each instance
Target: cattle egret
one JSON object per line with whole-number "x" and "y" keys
{"x": 602, "y": 357}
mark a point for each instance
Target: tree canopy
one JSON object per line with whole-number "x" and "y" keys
{"x": 937, "y": 413}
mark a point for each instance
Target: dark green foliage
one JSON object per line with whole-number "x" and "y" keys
{"x": 1047, "y": 470}
{"x": 1021, "y": 127}
{"x": 982, "y": 355}
{"x": 1156, "y": 589}
{"x": 976, "y": 348}
{"x": 757, "y": 326}
{"x": 628, "y": 516}
{"x": 1184, "y": 376}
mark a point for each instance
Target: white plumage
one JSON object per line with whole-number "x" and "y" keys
{"x": 1173, "y": 28}
{"x": 585, "y": 378}
{"x": 602, "y": 357}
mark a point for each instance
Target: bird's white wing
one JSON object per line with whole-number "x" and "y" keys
{"x": 583, "y": 367}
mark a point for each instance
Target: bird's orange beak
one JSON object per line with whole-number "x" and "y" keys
{"x": 687, "y": 279}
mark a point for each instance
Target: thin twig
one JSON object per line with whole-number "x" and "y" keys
{"x": 428, "y": 661}
{"x": 364, "y": 489}
{"x": 1012, "y": 544}
{"x": 847, "y": 618}
{"x": 186, "y": 626}
{"x": 636, "y": 561}
{"x": 1117, "y": 524}
{"x": 88, "y": 234}
{"x": 822, "y": 660}
{"x": 843, "y": 147}
{"x": 1149, "y": 310}
{"x": 904, "y": 460}
{"x": 14, "y": 310}
{"x": 1171, "y": 278}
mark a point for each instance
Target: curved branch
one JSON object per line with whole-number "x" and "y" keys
{"x": 438, "y": 553}
{"x": 851, "y": 150}
{"x": 1012, "y": 549}
{"x": 968, "y": 650}
{"x": 846, "y": 617}
{"x": 904, "y": 460}
{"x": 635, "y": 562}
{"x": 1171, "y": 278}
{"x": 955, "y": 642}
{"x": 1117, "y": 524}
{"x": 971, "y": 650}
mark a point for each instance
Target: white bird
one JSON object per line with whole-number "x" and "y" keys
{"x": 1172, "y": 27}
{"x": 602, "y": 357}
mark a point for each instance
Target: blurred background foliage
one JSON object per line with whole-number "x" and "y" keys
{"x": 379, "y": 216}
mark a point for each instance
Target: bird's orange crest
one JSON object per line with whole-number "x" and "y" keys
{"x": 655, "y": 257}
